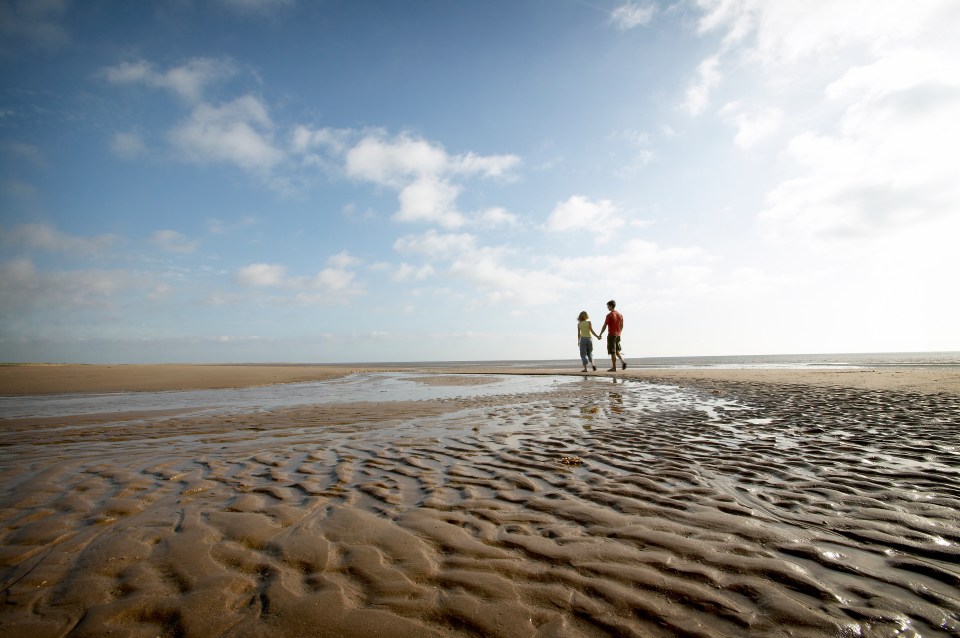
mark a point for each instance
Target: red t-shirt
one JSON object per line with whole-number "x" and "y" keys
{"x": 614, "y": 322}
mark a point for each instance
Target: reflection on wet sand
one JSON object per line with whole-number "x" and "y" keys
{"x": 598, "y": 508}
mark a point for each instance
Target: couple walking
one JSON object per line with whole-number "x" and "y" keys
{"x": 614, "y": 322}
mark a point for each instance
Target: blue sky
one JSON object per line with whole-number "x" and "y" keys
{"x": 283, "y": 180}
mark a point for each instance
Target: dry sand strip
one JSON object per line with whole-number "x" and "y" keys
{"x": 57, "y": 378}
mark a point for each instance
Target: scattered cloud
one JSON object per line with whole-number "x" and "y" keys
{"x": 641, "y": 152}
{"x": 173, "y": 242}
{"x": 343, "y": 259}
{"x": 754, "y": 125}
{"x": 602, "y": 218}
{"x": 406, "y": 272}
{"x": 238, "y": 132}
{"x": 17, "y": 188}
{"x": 36, "y": 24}
{"x": 434, "y": 244}
{"x": 698, "y": 94}
{"x": 631, "y": 15}
{"x": 394, "y": 162}
{"x": 334, "y": 140}
{"x": 221, "y": 227}
{"x": 432, "y": 200}
{"x": 496, "y": 217}
{"x": 127, "y": 145}
{"x": 423, "y": 174}
{"x": 506, "y": 284}
{"x": 256, "y": 6}
{"x": 261, "y": 275}
{"x": 23, "y": 286}
{"x": 25, "y": 152}
{"x": 335, "y": 283}
{"x": 188, "y": 81}
{"x": 872, "y": 149}
{"x": 49, "y": 239}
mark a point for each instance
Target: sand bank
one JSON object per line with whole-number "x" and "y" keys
{"x": 56, "y": 378}
{"x": 607, "y": 506}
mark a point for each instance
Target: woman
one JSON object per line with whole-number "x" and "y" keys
{"x": 584, "y": 330}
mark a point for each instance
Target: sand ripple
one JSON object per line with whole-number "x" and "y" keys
{"x": 598, "y": 509}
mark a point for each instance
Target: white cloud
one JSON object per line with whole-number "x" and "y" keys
{"x": 335, "y": 283}
{"x": 641, "y": 153}
{"x": 23, "y": 286}
{"x": 483, "y": 268}
{"x": 261, "y": 275}
{"x": 304, "y": 139}
{"x": 431, "y": 200}
{"x": 708, "y": 77}
{"x": 394, "y": 163}
{"x": 173, "y": 242}
{"x": 423, "y": 174}
{"x": 188, "y": 81}
{"x": 343, "y": 259}
{"x": 406, "y": 272}
{"x": 328, "y": 285}
{"x": 754, "y": 125}
{"x": 790, "y": 31}
{"x": 505, "y": 284}
{"x": 484, "y": 165}
{"x": 48, "y": 238}
{"x": 580, "y": 213}
{"x": 238, "y": 132}
{"x": 127, "y": 145}
{"x": 437, "y": 245}
{"x": 879, "y": 86}
{"x": 631, "y": 15}
{"x": 494, "y": 217}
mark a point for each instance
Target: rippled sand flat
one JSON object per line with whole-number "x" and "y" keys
{"x": 603, "y": 507}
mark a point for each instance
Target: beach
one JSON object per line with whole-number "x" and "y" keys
{"x": 483, "y": 502}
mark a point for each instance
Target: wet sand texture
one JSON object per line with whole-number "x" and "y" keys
{"x": 602, "y": 509}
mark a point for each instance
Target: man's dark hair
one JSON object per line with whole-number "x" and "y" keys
{"x": 612, "y": 303}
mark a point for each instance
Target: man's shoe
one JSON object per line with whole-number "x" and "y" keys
{"x": 624, "y": 366}
{"x": 612, "y": 370}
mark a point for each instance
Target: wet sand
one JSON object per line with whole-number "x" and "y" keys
{"x": 729, "y": 506}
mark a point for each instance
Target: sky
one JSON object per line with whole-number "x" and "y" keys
{"x": 375, "y": 181}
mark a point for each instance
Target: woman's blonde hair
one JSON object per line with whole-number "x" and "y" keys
{"x": 583, "y": 315}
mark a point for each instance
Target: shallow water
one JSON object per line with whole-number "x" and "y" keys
{"x": 385, "y": 386}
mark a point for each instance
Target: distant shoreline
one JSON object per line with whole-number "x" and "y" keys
{"x": 31, "y": 379}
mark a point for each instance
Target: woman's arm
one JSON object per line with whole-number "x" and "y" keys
{"x": 590, "y": 323}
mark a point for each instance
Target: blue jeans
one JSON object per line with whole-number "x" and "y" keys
{"x": 586, "y": 350}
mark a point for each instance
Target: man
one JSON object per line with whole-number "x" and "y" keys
{"x": 614, "y": 321}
